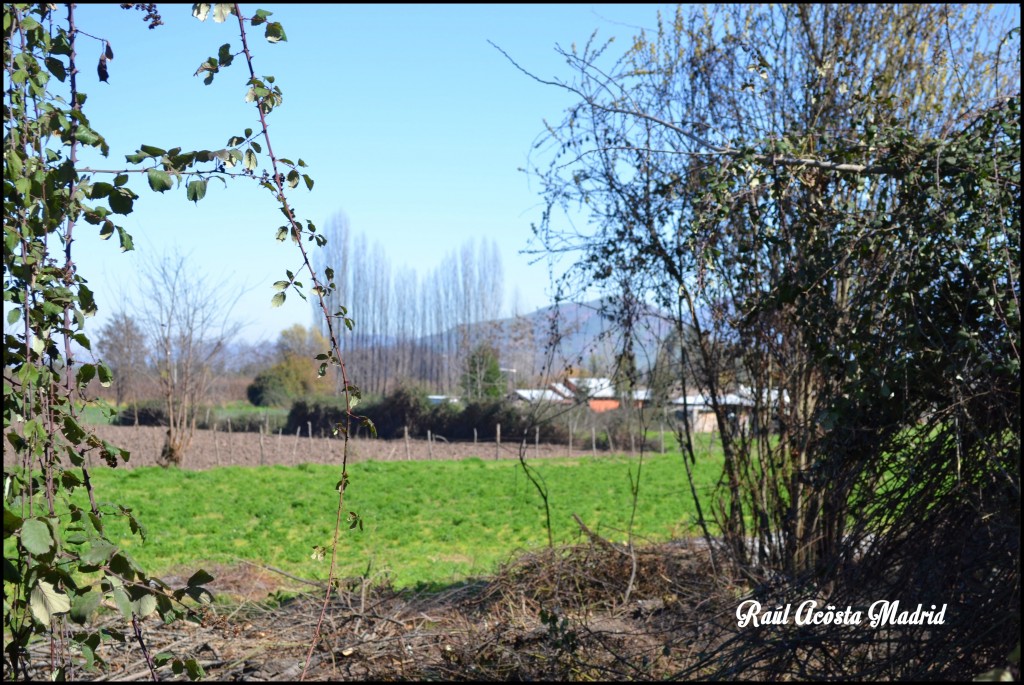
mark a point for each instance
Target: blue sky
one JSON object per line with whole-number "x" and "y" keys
{"x": 411, "y": 123}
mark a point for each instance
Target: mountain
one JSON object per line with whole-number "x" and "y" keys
{"x": 583, "y": 336}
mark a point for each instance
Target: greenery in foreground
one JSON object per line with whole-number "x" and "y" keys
{"x": 424, "y": 522}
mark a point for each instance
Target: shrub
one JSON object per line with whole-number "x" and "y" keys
{"x": 405, "y": 406}
{"x": 145, "y": 413}
{"x": 270, "y": 389}
{"x": 293, "y": 378}
{"x": 323, "y": 413}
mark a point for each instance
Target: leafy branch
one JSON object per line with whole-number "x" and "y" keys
{"x": 266, "y": 96}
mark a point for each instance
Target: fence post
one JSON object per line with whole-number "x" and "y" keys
{"x": 295, "y": 445}
{"x": 593, "y": 440}
{"x": 570, "y": 441}
{"x": 231, "y": 444}
{"x": 536, "y": 442}
{"x": 309, "y": 424}
{"x": 497, "y": 443}
{"x": 216, "y": 444}
{"x": 261, "y": 445}
{"x": 474, "y": 436}
{"x": 405, "y": 430}
{"x": 430, "y": 446}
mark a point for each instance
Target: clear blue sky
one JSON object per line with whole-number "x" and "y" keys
{"x": 411, "y": 123}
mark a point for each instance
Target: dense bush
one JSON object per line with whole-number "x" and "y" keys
{"x": 323, "y": 413}
{"x": 292, "y": 378}
{"x": 270, "y": 389}
{"x": 406, "y": 406}
{"x": 145, "y": 413}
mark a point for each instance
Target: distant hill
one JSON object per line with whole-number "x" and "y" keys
{"x": 578, "y": 335}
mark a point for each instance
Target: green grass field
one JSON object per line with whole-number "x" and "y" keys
{"x": 424, "y": 522}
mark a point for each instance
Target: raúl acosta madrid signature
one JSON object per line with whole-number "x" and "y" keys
{"x": 812, "y": 612}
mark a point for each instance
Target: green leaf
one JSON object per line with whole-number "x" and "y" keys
{"x": 260, "y": 17}
{"x": 121, "y": 201}
{"x": 281, "y": 285}
{"x": 144, "y": 605}
{"x": 200, "y": 10}
{"x": 277, "y": 300}
{"x": 99, "y": 190}
{"x": 11, "y": 523}
{"x": 124, "y": 604}
{"x": 99, "y": 553}
{"x": 56, "y": 67}
{"x": 200, "y": 577}
{"x": 250, "y": 160}
{"x": 106, "y": 377}
{"x": 46, "y": 602}
{"x": 13, "y": 316}
{"x": 159, "y": 180}
{"x": 275, "y": 32}
{"x": 152, "y": 151}
{"x": 221, "y": 11}
{"x": 86, "y": 300}
{"x": 35, "y": 536}
{"x": 85, "y": 374}
{"x": 83, "y": 606}
{"x": 196, "y": 190}
{"x": 126, "y": 240}
{"x": 194, "y": 669}
{"x": 87, "y": 136}
{"x": 224, "y": 55}
{"x": 72, "y": 431}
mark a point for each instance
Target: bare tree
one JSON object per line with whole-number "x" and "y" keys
{"x": 122, "y": 345}
{"x": 187, "y": 320}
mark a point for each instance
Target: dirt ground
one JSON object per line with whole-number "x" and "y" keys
{"x": 580, "y": 613}
{"x": 210, "y": 449}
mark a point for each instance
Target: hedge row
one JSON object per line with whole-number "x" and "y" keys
{"x": 407, "y": 409}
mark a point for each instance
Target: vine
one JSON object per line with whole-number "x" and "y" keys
{"x": 62, "y": 563}
{"x": 266, "y": 96}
